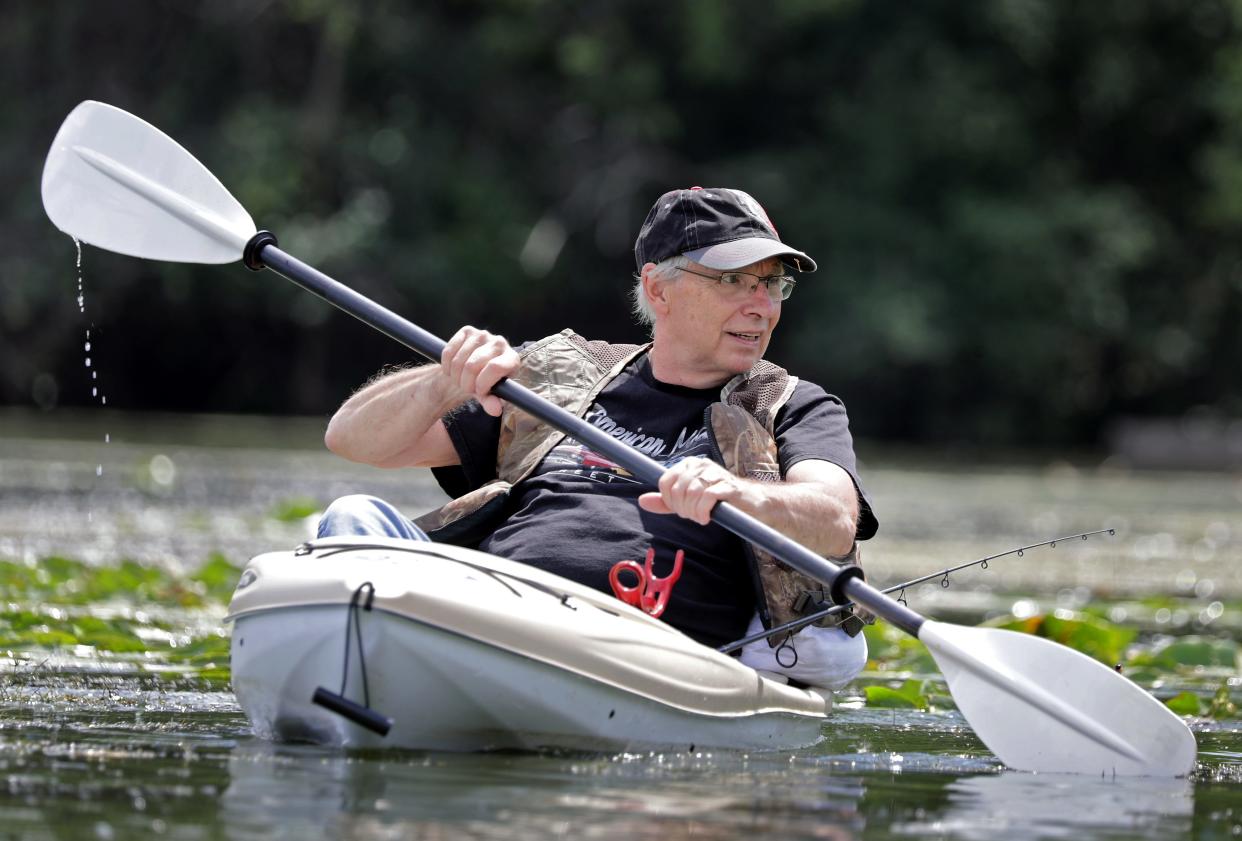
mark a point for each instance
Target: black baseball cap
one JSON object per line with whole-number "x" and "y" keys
{"x": 715, "y": 227}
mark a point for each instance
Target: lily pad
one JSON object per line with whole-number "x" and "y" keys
{"x": 1091, "y": 635}
{"x": 1184, "y": 703}
{"x": 893, "y": 650}
{"x": 1223, "y": 706}
{"x": 218, "y": 577}
{"x": 294, "y": 509}
{"x": 1192, "y": 651}
{"x": 910, "y": 695}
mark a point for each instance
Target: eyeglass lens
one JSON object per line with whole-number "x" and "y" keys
{"x": 741, "y": 285}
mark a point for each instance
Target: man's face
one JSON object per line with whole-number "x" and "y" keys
{"x": 707, "y": 335}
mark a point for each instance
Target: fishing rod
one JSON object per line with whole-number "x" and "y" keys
{"x": 795, "y": 625}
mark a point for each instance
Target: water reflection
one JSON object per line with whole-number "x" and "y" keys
{"x": 312, "y": 794}
{"x": 86, "y": 779}
{"x": 79, "y": 770}
{"x": 1017, "y": 805}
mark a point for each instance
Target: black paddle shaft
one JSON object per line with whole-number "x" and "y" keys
{"x": 844, "y": 583}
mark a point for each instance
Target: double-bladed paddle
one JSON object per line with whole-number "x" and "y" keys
{"x": 116, "y": 182}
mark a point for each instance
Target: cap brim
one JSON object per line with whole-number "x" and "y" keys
{"x": 740, "y": 253}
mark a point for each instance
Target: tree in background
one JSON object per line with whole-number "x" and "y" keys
{"x": 1024, "y": 212}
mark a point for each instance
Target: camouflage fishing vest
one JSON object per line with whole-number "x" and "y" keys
{"x": 570, "y": 371}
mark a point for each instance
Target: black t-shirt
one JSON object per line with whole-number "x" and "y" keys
{"x": 577, "y": 514}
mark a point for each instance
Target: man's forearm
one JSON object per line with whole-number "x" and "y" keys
{"x": 820, "y": 517}
{"x": 394, "y": 421}
{"x": 385, "y": 421}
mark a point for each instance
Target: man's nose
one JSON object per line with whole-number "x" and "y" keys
{"x": 760, "y": 301}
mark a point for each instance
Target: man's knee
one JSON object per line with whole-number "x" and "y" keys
{"x": 362, "y": 514}
{"x": 353, "y": 505}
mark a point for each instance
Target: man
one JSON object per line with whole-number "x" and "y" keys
{"x": 729, "y": 427}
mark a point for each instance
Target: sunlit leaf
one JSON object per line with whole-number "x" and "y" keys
{"x": 106, "y": 635}
{"x": 294, "y": 509}
{"x": 1184, "y": 703}
{"x": 890, "y": 649}
{"x": 1222, "y": 706}
{"x": 1193, "y": 651}
{"x": 910, "y": 695}
{"x": 208, "y": 652}
{"x": 1091, "y": 635}
{"x": 218, "y": 576}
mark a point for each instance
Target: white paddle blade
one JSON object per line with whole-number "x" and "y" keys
{"x": 1040, "y": 706}
{"x": 119, "y": 183}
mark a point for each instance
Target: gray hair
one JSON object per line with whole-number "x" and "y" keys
{"x": 665, "y": 270}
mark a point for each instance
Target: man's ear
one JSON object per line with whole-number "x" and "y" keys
{"x": 655, "y": 288}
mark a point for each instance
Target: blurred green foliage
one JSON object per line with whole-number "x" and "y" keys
{"x": 901, "y": 672}
{"x": 67, "y": 581}
{"x": 295, "y": 508}
{"x": 911, "y": 694}
{"x": 1091, "y": 635}
{"x": 1025, "y": 213}
{"x": 1193, "y": 652}
{"x": 1185, "y": 703}
{"x": 1220, "y": 706}
{"x": 891, "y": 649}
{"x": 146, "y": 615}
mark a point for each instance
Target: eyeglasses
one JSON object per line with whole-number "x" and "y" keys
{"x": 737, "y": 286}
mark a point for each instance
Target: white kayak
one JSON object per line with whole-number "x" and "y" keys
{"x": 465, "y": 651}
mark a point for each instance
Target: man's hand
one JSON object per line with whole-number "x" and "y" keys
{"x": 395, "y": 420}
{"x": 816, "y": 504}
{"x": 474, "y": 361}
{"x": 691, "y": 488}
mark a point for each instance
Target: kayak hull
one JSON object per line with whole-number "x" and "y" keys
{"x": 465, "y": 652}
{"x": 467, "y": 696}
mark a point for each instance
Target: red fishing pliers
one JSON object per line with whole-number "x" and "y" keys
{"x": 652, "y": 593}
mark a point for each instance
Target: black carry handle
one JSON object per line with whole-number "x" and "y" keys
{"x": 845, "y": 584}
{"x": 362, "y": 716}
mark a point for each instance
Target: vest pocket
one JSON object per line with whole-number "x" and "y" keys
{"x": 467, "y": 520}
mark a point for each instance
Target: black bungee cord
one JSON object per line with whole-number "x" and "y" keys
{"x": 337, "y": 702}
{"x": 426, "y": 549}
{"x": 352, "y": 613}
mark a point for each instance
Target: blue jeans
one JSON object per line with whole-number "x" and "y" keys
{"x": 359, "y": 514}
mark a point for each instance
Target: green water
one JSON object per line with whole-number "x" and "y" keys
{"x": 107, "y": 757}
{"x": 116, "y": 720}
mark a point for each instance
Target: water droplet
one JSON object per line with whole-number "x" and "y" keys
{"x": 94, "y": 375}
{"x": 88, "y": 345}
{"x": 1218, "y": 532}
{"x": 1186, "y": 579}
{"x": 107, "y": 438}
{"x": 94, "y": 392}
{"x": 88, "y": 362}
{"x": 99, "y": 470}
{"x": 163, "y": 470}
{"x": 104, "y": 400}
{"x": 1024, "y": 609}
